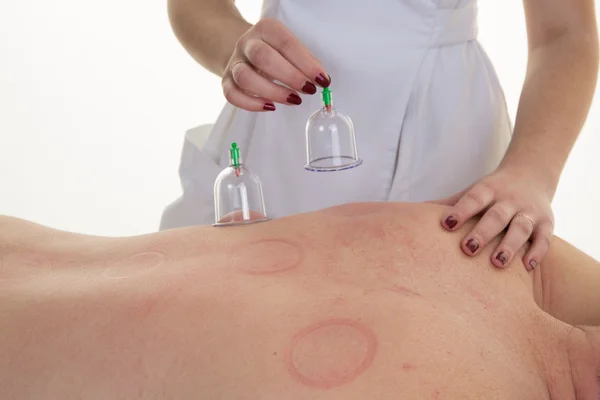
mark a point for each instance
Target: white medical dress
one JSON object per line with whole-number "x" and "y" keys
{"x": 428, "y": 111}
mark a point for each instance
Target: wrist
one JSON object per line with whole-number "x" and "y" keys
{"x": 535, "y": 173}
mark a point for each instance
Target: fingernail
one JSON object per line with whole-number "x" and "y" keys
{"x": 269, "y": 107}
{"x": 472, "y": 245}
{"x": 532, "y": 264}
{"x": 309, "y": 88}
{"x": 323, "y": 80}
{"x": 294, "y": 99}
{"x": 451, "y": 222}
{"x": 502, "y": 257}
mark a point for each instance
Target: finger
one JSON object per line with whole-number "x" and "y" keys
{"x": 475, "y": 200}
{"x": 285, "y": 43}
{"x": 489, "y": 226}
{"x": 266, "y": 59}
{"x": 541, "y": 239}
{"x": 238, "y": 98}
{"x": 251, "y": 82}
{"x": 448, "y": 201}
{"x": 520, "y": 230}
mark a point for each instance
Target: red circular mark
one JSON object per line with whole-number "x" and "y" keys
{"x": 268, "y": 256}
{"x": 355, "y": 209}
{"x": 135, "y": 264}
{"x": 22, "y": 265}
{"x": 331, "y": 353}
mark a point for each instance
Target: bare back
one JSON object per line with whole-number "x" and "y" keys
{"x": 360, "y": 301}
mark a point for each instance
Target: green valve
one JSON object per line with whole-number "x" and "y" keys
{"x": 327, "y": 96}
{"x": 234, "y": 153}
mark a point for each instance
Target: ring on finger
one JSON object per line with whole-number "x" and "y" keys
{"x": 237, "y": 63}
{"x": 527, "y": 218}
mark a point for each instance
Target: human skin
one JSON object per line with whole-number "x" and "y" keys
{"x": 362, "y": 301}
{"x": 208, "y": 30}
{"x": 562, "y": 72}
{"x": 560, "y": 81}
{"x": 248, "y": 58}
{"x": 559, "y": 85}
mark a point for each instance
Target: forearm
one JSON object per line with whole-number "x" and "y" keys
{"x": 568, "y": 285}
{"x": 208, "y": 30}
{"x": 556, "y": 97}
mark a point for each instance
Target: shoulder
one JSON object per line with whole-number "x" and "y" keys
{"x": 14, "y": 229}
{"x": 19, "y": 235}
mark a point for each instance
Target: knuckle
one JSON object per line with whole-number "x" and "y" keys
{"x": 483, "y": 189}
{"x": 286, "y": 43}
{"x": 476, "y": 197}
{"x": 241, "y": 43}
{"x": 523, "y": 226}
{"x": 514, "y": 198}
{"x": 499, "y": 215}
{"x": 273, "y": 31}
{"x": 240, "y": 74}
{"x": 258, "y": 54}
{"x": 266, "y": 24}
{"x": 262, "y": 23}
{"x": 545, "y": 226}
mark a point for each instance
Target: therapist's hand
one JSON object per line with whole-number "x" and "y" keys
{"x": 267, "y": 52}
{"x": 507, "y": 199}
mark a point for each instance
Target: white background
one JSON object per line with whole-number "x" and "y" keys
{"x": 95, "y": 98}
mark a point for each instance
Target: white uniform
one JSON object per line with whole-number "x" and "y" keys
{"x": 428, "y": 110}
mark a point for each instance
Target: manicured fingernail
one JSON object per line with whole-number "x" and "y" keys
{"x": 294, "y": 99}
{"x": 309, "y": 88}
{"x": 323, "y": 80}
{"x": 451, "y": 222}
{"x": 269, "y": 107}
{"x": 532, "y": 264}
{"x": 502, "y": 257}
{"x": 472, "y": 245}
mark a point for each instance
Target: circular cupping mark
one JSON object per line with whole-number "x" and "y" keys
{"x": 331, "y": 353}
{"x": 268, "y": 256}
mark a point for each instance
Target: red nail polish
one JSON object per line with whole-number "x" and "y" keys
{"x": 502, "y": 257}
{"x": 294, "y": 99}
{"x": 451, "y": 222}
{"x": 269, "y": 107}
{"x": 309, "y": 88}
{"x": 472, "y": 245}
{"x": 323, "y": 80}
